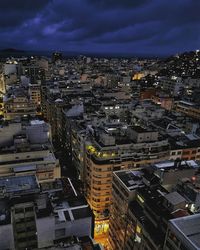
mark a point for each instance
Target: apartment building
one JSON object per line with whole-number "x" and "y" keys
{"x": 35, "y": 217}
{"x": 25, "y": 148}
{"x": 183, "y": 233}
{"x": 143, "y": 204}
{"x": 123, "y": 192}
{"x": 24, "y": 225}
{"x": 35, "y": 94}
{"x": 18, "y": 105}
{"x": 189, "y": 109}
{"x": 113, "y": 148}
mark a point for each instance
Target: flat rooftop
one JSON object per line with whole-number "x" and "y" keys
{"x": 130, "y": 178}
{"x": 188, "y": 230}
{"x": 174, "y": 198}
{"x": 68, "y": 214}
{"x": 37, "y": 122}
{"x": 167, "y": 165}
{"x": 139, "y": 129}
{"x": 18, "y": 184}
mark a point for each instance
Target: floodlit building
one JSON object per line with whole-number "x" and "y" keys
{"x": 114, "y": 148}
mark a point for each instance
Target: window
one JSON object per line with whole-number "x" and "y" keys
{"x": 97, "y": 169}
{"x": 19, "y": 210}
{"x": 116, "y": 168}
{"x": 96, "y": 200}
{"x": 169, "y": 246}
{"x": 29, "y": 209}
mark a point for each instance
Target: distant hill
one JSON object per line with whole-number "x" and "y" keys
{"x": 12, "y": 50}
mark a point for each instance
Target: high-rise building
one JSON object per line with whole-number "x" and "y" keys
{"x": 35, "y": 94}
{"x": 25, "y": 148}
{"x": 189, "y": 109}
{"x": 37, "y": 216}
{"x": 24, "y": 225}
{"x": 34, "y": 72}
{"x": 107, "y": 152}
{"x": 18, "y": 105}
{"x": 183, "y": 233}
{"x": 142, "y": 206}
{"x": 56, "y": 56}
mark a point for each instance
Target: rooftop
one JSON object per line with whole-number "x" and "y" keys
{"x": 37, "y": 122}
{"x": 188, "y": 230}
{"x": 19, "y": 184}
{"x": 174, "y": 198}
{"x": 131, "y": 179}
{"x": 167, "y": 165}
{"x": 139, "y": 129}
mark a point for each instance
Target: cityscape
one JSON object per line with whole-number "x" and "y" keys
{"x": 99, "y": 125}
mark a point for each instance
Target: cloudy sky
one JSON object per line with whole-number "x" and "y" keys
{"x": 104, "y": 26}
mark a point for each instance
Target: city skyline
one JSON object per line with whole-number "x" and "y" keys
{"x": 100, "y": 125}
{"x": 115, "y": 27}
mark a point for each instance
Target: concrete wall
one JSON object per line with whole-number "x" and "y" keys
{"x": 38, "y": 133}
{"x": 7, "y": 133}
{"x": 45, "y": 231}
{"x": 6, "y": 237}
{"x": 46, "y": 228}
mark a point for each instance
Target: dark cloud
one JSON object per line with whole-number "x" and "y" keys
{"x": 101, "y": 25}
{"x": 113, "y": 4}
{"x": 22, "y": 5}
{"x": 14, "y": 12}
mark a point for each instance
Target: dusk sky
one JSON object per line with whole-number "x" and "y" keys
{"x": 103, "y": 26}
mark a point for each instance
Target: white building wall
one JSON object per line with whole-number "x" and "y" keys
{"x": 7, "y": 133}
{"x": 10, "y": 69}
{"x": 6, "y": 237}
{"x": 82, "y": 227}
{"x": 46, "y": 228}
{"x": 38, "y": 133}
{"x": 45, "y": 231}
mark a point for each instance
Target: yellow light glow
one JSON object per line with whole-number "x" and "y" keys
{"x": 101, "y": 227}
{"x": 138, "y": 229}
{"x": 137, "y": 76}
{"x": 140, "y": 198}
{"x": 91, "y": 149}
